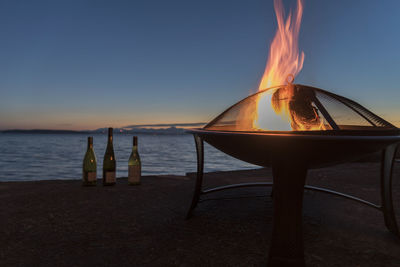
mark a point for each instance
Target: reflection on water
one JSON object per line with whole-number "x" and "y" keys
{"x": 59, "y": 156}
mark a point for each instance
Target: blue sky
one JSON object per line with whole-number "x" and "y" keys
{"x": 89, "y": 64}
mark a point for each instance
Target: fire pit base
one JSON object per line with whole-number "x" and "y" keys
{"x": 289, "y": 174}
{"x": 287, "y": 232}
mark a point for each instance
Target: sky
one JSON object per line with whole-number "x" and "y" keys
{"x": 90, "y": 64}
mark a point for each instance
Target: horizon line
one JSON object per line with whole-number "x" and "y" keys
{"x": 121, "y": 127}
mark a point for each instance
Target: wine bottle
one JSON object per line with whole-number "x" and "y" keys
{"x": 89, "y": 168}
{"x": 134, "y": 164}
{"x": 109, "y": 161}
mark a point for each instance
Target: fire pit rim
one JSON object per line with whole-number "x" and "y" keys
{"x": 322, "y": 135}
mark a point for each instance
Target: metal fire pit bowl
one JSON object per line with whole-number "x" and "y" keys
{"x": 346, "y": 131}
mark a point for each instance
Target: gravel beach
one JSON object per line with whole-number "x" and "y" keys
{"x": 61, "y": 223}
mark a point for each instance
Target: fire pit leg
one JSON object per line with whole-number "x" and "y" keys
{"x": 388, "y": 159}
{"x": 287, "y": 234}
{"x": 199, "y": 179}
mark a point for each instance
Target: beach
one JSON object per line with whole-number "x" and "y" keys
{"x": 61, "y": 223}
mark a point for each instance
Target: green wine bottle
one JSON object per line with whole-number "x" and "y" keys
{"x": 134, "y": 164}
{"x": 109, "y": 161}
{"x": 89, "y": 168}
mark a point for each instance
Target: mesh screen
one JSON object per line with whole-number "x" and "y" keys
{"x": 297, "y": 108}
{"x": 341, "y": 113}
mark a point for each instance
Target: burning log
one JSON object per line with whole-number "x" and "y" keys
{"x": 298, "y": 104}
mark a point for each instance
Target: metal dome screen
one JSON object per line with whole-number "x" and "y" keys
{"x": 297, "y": 108}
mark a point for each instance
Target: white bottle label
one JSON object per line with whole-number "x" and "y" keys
{"x": 110, "y": 177}
{"x": 134, "y": 173}
{"x": 91, "y": 177}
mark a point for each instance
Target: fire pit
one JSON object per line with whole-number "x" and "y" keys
{"x": 293, "y": 128}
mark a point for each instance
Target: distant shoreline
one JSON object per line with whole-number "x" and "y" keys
{"x": 44, "y": 131}
{"x": 165, "y": 129}
{"x": 168, "y": 131}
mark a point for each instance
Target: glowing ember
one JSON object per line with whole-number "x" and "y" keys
{"x": 284, "y": 63}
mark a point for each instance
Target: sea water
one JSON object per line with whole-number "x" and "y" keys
{"x": 27, "y": 157}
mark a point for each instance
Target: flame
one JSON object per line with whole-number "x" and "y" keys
{"x": 296, "y": 110}
{"x": 284, "y": 58}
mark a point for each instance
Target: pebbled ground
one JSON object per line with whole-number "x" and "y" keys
{"x": 61, "y": 223}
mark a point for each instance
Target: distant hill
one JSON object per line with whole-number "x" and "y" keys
{"x": 43, "y": 131}
{"x": 167, "y": 125}
{"x": 171, "y": 129}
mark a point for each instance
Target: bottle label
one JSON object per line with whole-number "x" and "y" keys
{"x": 134, "y": 173}
{"x": 91, "y": 176}
{"x": 110, "y": 177}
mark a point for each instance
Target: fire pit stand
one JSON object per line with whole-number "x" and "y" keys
{"x": 325, "y": 129}
{"x": 289, "y": 175}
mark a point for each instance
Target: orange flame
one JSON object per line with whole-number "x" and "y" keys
{"x": 284, "y": 58}
{"x": 296, "y": 109}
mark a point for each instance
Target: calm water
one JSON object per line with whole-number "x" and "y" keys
{"x": 59, "y": 156}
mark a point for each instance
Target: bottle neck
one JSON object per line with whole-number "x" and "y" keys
{"x": 90, "y": 143}
{"x": 135, "y": 144}
{"x": 110, "y": 136}
{"x": 110, "y": 144}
